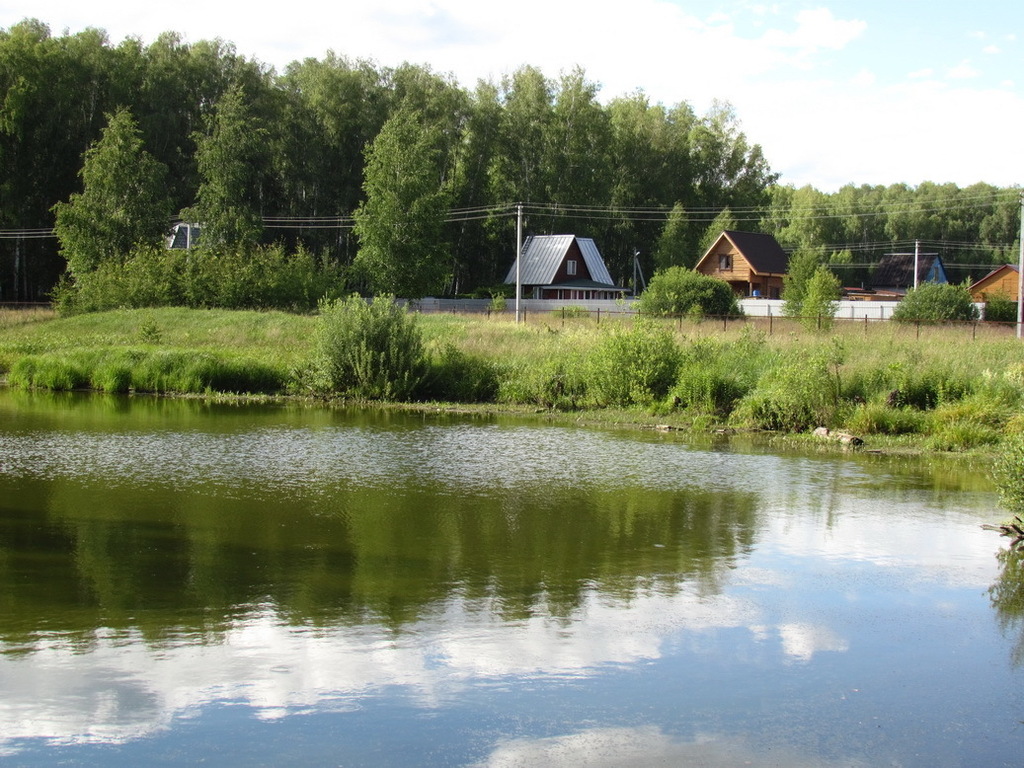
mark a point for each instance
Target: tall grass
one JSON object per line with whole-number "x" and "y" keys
{"x": 953, "y": 390}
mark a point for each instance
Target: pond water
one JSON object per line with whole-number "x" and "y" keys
{"x": 185, "y": 582}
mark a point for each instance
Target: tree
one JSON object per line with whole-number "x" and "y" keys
{"x": 821, "y": 298}
{"x": 680, "y": 291}
{"x": 675, "y": 246}
{"x": 722, "y": 222}
{"x": 123, "y": 203}
{"x": 803, "y": 264}
{"x": 936, "y": 302}
{"x": 230, "y": 159}
{"x": 401, "y": 223}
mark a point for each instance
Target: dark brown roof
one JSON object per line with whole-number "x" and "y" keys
{"x": 762, "y": 252}
{"x": 897, "y": 270}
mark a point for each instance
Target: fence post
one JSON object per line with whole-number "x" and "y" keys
{"x": 598, "y": 315}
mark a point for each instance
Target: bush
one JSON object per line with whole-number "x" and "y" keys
{"x": 263, "y": 278}
{"x": 1001, "y": 309}
{"x": 708, "y": 382}
{"x": 456, "y": 376}
{"x": 681, "y": 291}
{"x": 936, "y": 303}
{"x": 1009, "y": 475}
{"x": 799, "y": 393}
{"x": 371, "y": 350}
{"x": 635, "y": 366}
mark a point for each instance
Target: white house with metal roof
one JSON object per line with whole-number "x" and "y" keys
{"x": 564, "y": 267}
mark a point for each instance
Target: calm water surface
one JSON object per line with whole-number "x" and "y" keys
{"x": 183, "y": 582}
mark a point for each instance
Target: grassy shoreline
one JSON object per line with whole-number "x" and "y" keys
{"x": 900, "y": 389}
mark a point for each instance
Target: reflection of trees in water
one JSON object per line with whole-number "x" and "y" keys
{"x": 1007, "y": 595}
{"x": 194, "y": 560}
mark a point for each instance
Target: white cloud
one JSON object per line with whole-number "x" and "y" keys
{"x": 991, "y": 49}
{"x": 817, "y": 29}
{"x": 962, "y": 71}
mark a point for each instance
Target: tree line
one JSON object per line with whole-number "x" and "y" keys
{"x": 399, "y": 178}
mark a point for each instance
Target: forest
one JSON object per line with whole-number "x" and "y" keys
{"x": 401, "y": 179}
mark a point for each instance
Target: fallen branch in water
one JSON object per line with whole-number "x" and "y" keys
{"x": 1014, "y": 529}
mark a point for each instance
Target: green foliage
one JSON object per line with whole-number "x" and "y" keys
{"x": 821, "y": 299}
{"x": 681, "y": 291}
{"x": 1000, "y": 309}
{"x": 263, "y": 278}
{"x": 722, "y": 222}
{"x": 635, "y": 366}
{"x": 230, "y": 158}
{"x": 123, "y": 203}
{"x": 121, "y": 370}
{"x": 803, "y": 265}
{"x": 879, "y": 418}
{"x": 1009, "y": 475}
{"x": 400, "y": 225}
{"x": 801, "y": 392}
{"x": 711, "y": 379}
{"x": 371, "y": 350}
{"x": 676, "y": 246}
{"x": 457, "y": 376}
{"x": 936, "y": 303}
{"x": 559, "y": 383}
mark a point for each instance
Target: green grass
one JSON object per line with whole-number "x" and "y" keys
{"x": 947, "y": 388}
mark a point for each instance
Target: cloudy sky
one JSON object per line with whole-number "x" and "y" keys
{"x": 835, "y": 91}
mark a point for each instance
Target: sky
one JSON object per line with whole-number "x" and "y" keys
{"x": 834, "y": 91}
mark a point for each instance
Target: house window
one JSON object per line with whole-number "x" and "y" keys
{"x": 570, "y": 267}
{"x": 724, "y": 262}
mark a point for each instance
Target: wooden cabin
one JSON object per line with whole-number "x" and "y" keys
{"x": 1002, "y": 281}
{"x": 563, "y": 267}
{"x": 751, "y": 263}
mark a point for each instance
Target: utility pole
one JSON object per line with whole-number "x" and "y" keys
{"x": 917, "y": 259}
{"x": 519, "y": 257}
{"x": 1020, "y": 272}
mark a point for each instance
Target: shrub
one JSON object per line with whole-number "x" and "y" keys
{"x": 456, "y": 376}
{"x": 681, "y": 291}
{"x": 1001, "y": 309}
{"x": 799, "y": 393}
{"x": 1009, "y": 475}
{"x": 634, "y": 366}
{"x": 709, "y": 380}
{"x": 261, "y": 278}
{"x": 367, "y": 349}
{"x": 936, "y": 303}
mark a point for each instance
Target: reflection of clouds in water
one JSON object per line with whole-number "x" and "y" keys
{"x": 905, "y": 538}
{"x": 645, "y": 746}
{"x": 802, "y": 641}
{"x": 123, "y": 688}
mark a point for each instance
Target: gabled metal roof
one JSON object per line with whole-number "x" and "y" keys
{"x": 544, "y": 254}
